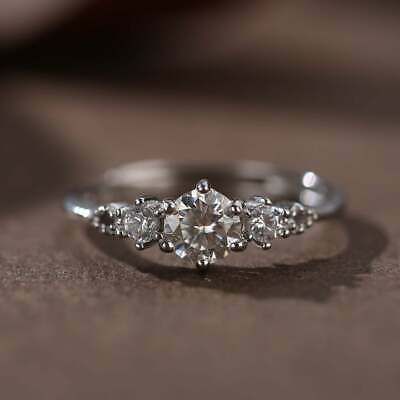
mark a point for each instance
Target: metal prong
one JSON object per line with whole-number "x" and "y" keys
{"x": 142, "y": 199}
{"x": 284, "y": 233}
{"x": 169, "y": 206}
{"x": 247, "y": 236}
{"x": 268, "y": 201}
{"x": 166, "y": 246}
{"x": 292, "y": 226}
{"x": 300, "y": 229}
{"x": 311, "y": 217}
{"x": 158, "y": 236}
{"x": 142, "y": 245}
{"x": 117, "y": 213}
{"x": 203, "y": 186}
{"x": 309, "y": 222}
{"x": 203, "y": 263}
{"x": 238, "y": 246}
{"x": 236, "y": 207}
{"x": 266, "y": 246}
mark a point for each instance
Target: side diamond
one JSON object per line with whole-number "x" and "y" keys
{"x": 142, "y": 221}
{"x": 299, "y": 217}
{"x": 108, "y": 218}
{"x": 264, "y": 221}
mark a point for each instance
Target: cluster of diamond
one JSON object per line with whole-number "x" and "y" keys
{"x": 204, "y": 225}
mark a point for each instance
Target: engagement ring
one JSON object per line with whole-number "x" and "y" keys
{"x": 179, "y": 206}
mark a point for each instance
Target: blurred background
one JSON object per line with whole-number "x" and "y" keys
{"x": 151, "y": 77}
{"x": 89, "y": 84}
{"x": 317, "y": 54}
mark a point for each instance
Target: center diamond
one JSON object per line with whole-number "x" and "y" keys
{"x": 202, "y": 226}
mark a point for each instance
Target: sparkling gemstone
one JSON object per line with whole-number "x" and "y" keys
{"x": 142, "y": 222}
{"x": 264, "y": 221}
{"x": 202, "y": 226}
{"x": 300, "y": 218}
{"x": 108, "y": 219}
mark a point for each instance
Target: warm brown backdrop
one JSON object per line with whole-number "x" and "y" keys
{"x": 309, "y": 85}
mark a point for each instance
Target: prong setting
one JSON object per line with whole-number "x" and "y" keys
{"x": 169, "y": 206}
{"x": 143, "y": 199}
{"x": 203, "y": 263}
{"x": 140, "y": 200}
{"x": 203, "y": 186}
{"x": 266, "y": 246}
{"x": 268, "y": 201}
{"x": 265, "y": 221}
{"x": 166, "y": 246}
{"x": 236, "y": 208}
{"x": 283, "y": 233}
{"x": 142, "y": 245}
{"x": 108, "y": 219}
{"x": 238, "y": 246}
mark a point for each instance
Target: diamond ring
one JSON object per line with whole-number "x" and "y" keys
{"x": 262, "y": 203}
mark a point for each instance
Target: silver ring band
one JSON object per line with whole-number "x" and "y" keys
{"x": 202, "y": 225}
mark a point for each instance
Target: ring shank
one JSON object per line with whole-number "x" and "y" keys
{"x": 239, "y": 179}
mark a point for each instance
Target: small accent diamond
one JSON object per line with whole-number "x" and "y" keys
{"x": 108, "y": 219}
{"x": 264, "y": 221}
{"x": 142, "y": 222}
{"x": 300, "y": 217}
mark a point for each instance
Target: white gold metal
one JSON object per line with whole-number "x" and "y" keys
{"x": 203, "y": 264}
{"x": 169, "y": 206}
{"x": 239, "y": 246}
{"x": 236, "y": 207}
{"x": 203, "y": 186}
{"x": 203, "y": 225}
{"x": 140, "y": 246}
{"x": 266, "y": 246}
{"x": 166, "y": 246}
